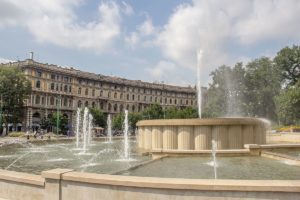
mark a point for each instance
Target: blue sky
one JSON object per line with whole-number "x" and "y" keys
{"x": 147, "y": 40}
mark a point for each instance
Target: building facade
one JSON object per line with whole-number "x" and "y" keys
{"x": 66, "y": 89}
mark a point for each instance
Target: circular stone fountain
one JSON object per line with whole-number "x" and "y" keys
{"x": 197, "y": 134}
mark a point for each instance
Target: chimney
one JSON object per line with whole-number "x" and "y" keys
{"x": 31, "y": 55}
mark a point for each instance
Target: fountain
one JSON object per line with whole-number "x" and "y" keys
{"x": 85, "y": 128}
{"x": 126, "y": 142}
{"x": 109, "y": 133}
{"x": 77, "y": 127}
{"x": 213, "y": 152}
{"x": 199, "y": 93}
{"x": 90, "y": 127}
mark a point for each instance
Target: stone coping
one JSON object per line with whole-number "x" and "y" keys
{"x": 202, "y": 122}
{"x": 280, "y": 155}
{"x": 185, "y": 184}
{"x": 223, "y": 151}
{"x": 22, "y": 177}
{"x": 271, "y": 146}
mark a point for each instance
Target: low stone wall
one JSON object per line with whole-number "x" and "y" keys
{"x": 280, "y": 138}
{"x": 64, "y": 184}
{"x": 197, "y": 134}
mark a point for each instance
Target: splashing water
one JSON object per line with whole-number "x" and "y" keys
{"x": 84, "y": 128}
{"x": 199, "y": 93}
{"x": 109, "y": 134}
{"x": 213, "y": 151}
{"x": 126, "y": 142}
{"x": 90, "y": 127}
{"x": 77, "y": 126}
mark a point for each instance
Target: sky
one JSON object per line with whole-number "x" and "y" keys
{"x": 155, "y": 41}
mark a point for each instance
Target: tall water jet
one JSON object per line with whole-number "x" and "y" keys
{"x": 90, "y": 127}
{"x": 77, "y": 127}
{"x": 109, "y": 134}
{"x": 213, "y": 152}
{"x": 84, "y": 127}
{"x": 199, "y": 93}
{"x": 126, "y": 142}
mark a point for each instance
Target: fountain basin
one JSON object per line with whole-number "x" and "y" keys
{"x": 197, "y": 134}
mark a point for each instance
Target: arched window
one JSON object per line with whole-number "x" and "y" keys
{"x": 187, "y": 102}
{"x": 127, "y": 96}
{"x": 79, "y": 90}
{"x": 93, "y": 104}
{"x": 101, "y": 105}
{"x": 52, "y": 101}
{"x": 109, "y": 107}
{"x": 127, "y": 107}
{"x": 150, "y": 98}
{"x": 38, "y": 84}
{"x": 115, "y": 107}
{"x": 170, "y": 101}
{"x": 52, "y": 86}
{"x": 37, "y": 99}
{"x": 65, "y": 88}
{"x": 101, "y": 93}
{"x": 155, "y": 99}
{"x": 121, "y": 108}
{"x": 175, "y": 101}
{"x": 133, "y": 108}
{"x": 93, "y": 92}
{"x": 70, "y": 103}
{"x": 86, "y": 104}
{"x": 165, "y": 100}
{"x": 79, "y": 104}
{"x": 86, "y": 91}
{"x": 133, "y": 97}
{"x": 70, "y": 88}
{"x": 115, "y": 95}
{"x": 65, "y": 101}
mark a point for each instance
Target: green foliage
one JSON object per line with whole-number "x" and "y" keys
{"x": 117, "y": 121}
{"x": 154, "y": 111}
{"x": 62, "y": 122}
{"x": 177, "y": 113}
{"x": 288, "y": 63}
{"x": 262, "y": 84}
{"x": 288, "y": 105}
{"x": 99, "y": 118}
{"x": 133, "y": 118}
{"x": 45, "y": 123}
{"x": 14, "y": 89}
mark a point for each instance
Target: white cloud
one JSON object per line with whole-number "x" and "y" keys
{"x": 55, "y": 21}
{"x": 163, "y": 68}
{"x": 4, "y": 60}
{"x": 128, "y": 10}
{"x": 143, "y": 35}
{"x": 215, "y": 25}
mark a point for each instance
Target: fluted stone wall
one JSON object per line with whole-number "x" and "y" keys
{"x": 197, "y": 134}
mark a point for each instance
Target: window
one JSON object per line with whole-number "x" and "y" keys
{"x": 56, "y": 87}
{"x": 93, "y": 92}
{"x": 115, "y": 95}
{"x": 109, "y": 107}
{"x": 86, "y": 104}
{"x": 52, "y": 101}
{"x": 175, "y": 101}
{"x": 150, "y": 98}
{"x": 79, "y": 90}
{"x": 70, "y": 88}
{"x": 115, "y": 107}
{"x": 108, "y": 95}
{"x": 121, "y": 96}
{"x": 127, "y": 96}
{"x": 138, "y": 97}
{"x": 38, "y": 84}
{"x": 37, "y": 99}
{"x": 65, "y": 101}
{"x": 53, "y": 76}
{"x": 52, "y": 86}
{"x": 170, "y": 101}
{"x": 86, "y": 91}
{"x": 70, "y": 103}
{"x": 39, "y": 74}
{"x": 65, "y": 88}
{"x": 133, "y": 97}
{"x": 133, "y": 108}
{"x": 79, "y": 104}
{"x": 101, "y": 93}
{"x": 145, "y": 98}
{"x": 93, "y": 104}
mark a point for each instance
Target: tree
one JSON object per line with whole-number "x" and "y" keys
{"x": 288, "y": 105}
{"x": 262, "y": 84}
{"x": 14, "y": 89}
{"x": 288, "y": 63}
{"x": 154, "y": 111}
{"x": 226, "y": 92}
{"x": 133, "y": 118}
{"x": 118, "y": 121}
{"x": 62, "y": 122}
{"x": 99, "y": 118}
